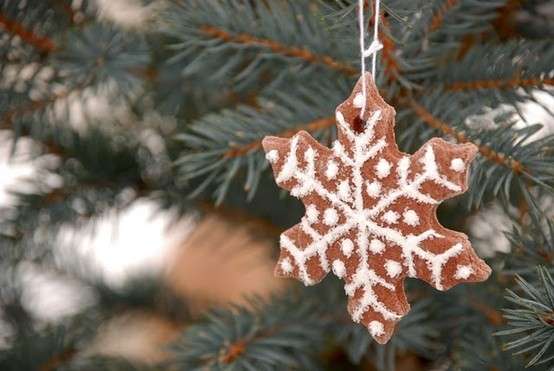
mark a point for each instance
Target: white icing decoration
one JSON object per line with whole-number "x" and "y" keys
{"x": 376, "y": 246}
{"x": 383, "y": 168}
{"x": 391, "y": 217}
{"x": 376, "y": 328}
{"x": 403, "y": 169}
{"x": 347, "y": 246}
{"x": 457, "y": 165}
{"x": 393, "y": 268}
{"x": 332, "y": 169}
{"x": 330, "y": 217}
{"x": 374, "y": 189}
{"x": 272, "y": 156}
{"x": 463, "y": 272}
{"x": 286, "y": 266}
{"x": 309, "y": 155}
{"x": 312, "y": 213}
{"x": 363, "y": 221}
{"x": 344, "y": 191}
{"x": 410, "y": 217}
{"x": 338, "y": 268}
{"x": 358, "y": 100}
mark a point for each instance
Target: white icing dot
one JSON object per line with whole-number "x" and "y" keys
{"x": 312, "y": 213}
{"x": 309, "y": 155}
{"x": 393, "y": 268}
{"x": 457, "y": 165}
{"x": 344, "y": 190}
{"x": 338, "y": 148}
{"x": 383, "y": 168}
{"x": 349, "y": 290}
{"x": 272, "y": 156}
{"x": 332, "y": 169}
{"x": 391, "y": 217}
{"x": 347, "y": 246}
{"x": 374, "y": 189}
{"x": 376, "y": 328}
{"x": 376, "y": 246}
{"x": 359, "y": 100}
{"x": 404, "y": 165}
{"x": 463, "y": 272}
{"x": 411, "y": 217}
{"x": 330, "y": 217}
{"x": 338, "y": 268}
{"x": 286, "y": 266}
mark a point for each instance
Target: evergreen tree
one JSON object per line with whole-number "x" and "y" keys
{"x": 219, "y": 75}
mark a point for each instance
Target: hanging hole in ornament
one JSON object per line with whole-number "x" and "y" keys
{"x": 358, "y": 125}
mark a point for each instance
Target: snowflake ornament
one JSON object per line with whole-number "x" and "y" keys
{"x": 371, "y": 211}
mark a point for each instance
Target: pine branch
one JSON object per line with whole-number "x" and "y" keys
{"x": 392, "y": 67}
{"x": 27, "y": 108}
{"x": 516, "y": 82}
{"x": 485, "y": 150}
{"x": 438, "y": 16}
{"x": 285, "y": 332}
{"x": 475, "y": 16}
{"x": 211, "y": 41}
{"x": 58, "y": 360}
{"x": 504, "y": 24}
{"x": 531, "y": 323}
{"x": 503, "y": 67}
{"x": 493, "y": 315}
{"x": 68, "y": 10}
{"x": 42, "y": 43}
{"x": 278, "y": 48}
{"x": 91, "y": 58}
{"x": 9, "y": 120}
{"x": 477, "y": 349}
{"x": 444, "y": 34}
{"x": 218, "y": 146}
{"x": 532, "y": 245}
{"x": 310, "y": 127}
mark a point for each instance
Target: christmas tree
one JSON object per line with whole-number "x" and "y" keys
{"x": 168, "y": 102}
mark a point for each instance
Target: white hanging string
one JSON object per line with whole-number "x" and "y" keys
{"x": 374, "y": 47}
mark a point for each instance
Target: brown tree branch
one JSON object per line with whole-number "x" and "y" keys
{"x": 236, "y": 349}
{"x": 252, "y": 146}
{"x": 486, "y": 151}
{"x": 67, "y": 9}
{"x": 58, "y": 360}
{"x": 7, "y": 119}
{"x": 42, "y": 43}
{"x": 389, "y": 48}
{"x": 516, "y": 82}
{"x": 438, "y": 17}
{"x": 279, "y": 48}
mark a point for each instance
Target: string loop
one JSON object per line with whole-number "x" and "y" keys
{"x": 373, "y": 48}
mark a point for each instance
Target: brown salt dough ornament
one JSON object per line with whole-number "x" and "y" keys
{"x": 371, "y": 211}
